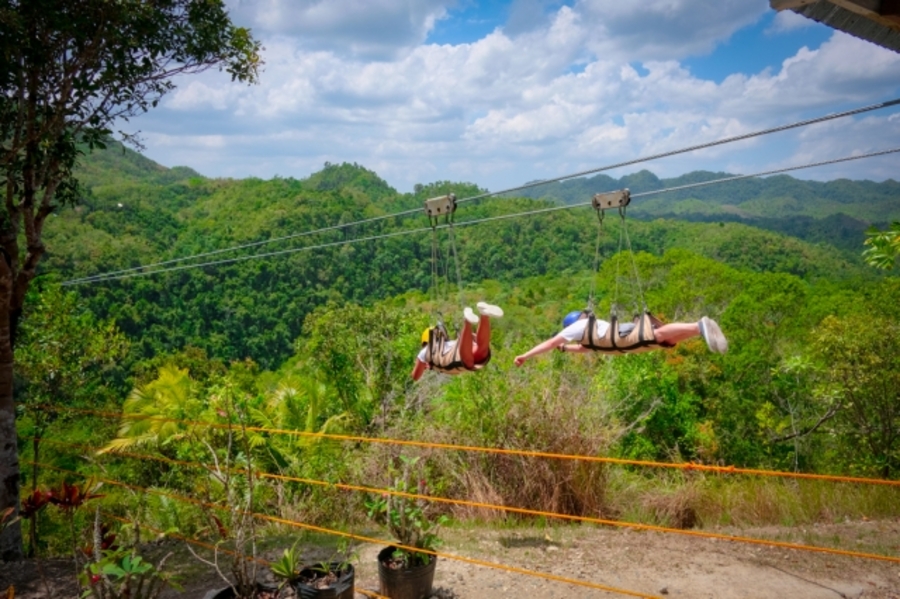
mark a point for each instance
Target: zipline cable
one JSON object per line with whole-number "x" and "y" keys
{"x": 471, "y": 222}
{"x": 711, "y": 144}
{"x": 821, "y": 119}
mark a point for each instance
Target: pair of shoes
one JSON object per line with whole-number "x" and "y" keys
{"x": 491, "y": 310}
{"x": 470, "y": 315}
{"x": 713, "y": 335}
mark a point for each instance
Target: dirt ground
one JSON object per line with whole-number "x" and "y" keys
{"x": 642, "y": 563}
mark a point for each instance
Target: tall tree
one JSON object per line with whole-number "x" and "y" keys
{"x": 860, "y": 361}
{"x": 64, "y": 356}
{"x": 69, "y": 71}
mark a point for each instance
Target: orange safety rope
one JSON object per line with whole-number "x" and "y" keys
{"x": 450, "y": 556}
{"x": 519, "y": 452}
{"x": 261, "y": 561}
{"x": 529, "y": 512}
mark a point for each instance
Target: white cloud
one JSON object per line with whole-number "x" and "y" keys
{"x": 374, "y": 29}
{"x": 560, "y": 95}
{"x": 844, "y": 69}
{"x": 787, "y": 20}
{"x": 196, "y": 94}
{"x": 663, "y": 29}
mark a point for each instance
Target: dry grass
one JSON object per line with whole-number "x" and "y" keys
{"x": 677, "y": 508}
{"x": 681, "y": 500}
{"x": 552, "y": 412}
{"x": 754, "y": 502}
{"x": 534, "y": 421}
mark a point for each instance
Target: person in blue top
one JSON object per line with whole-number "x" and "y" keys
{"x": 667, "y": 335}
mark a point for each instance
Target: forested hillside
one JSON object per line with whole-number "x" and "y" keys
{"x": 835, "y": 212}
{"x": 137, "y": 213}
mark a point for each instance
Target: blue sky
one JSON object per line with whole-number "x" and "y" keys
{"x": 500, "y": 93}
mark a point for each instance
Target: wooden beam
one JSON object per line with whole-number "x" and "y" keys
{"x": 884, "y": 12}
{"x": 866, "y": 8}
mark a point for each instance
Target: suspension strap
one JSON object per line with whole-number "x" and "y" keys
{"x": 441, "y": 207}
{"x": 596, "y": 269}
{"x": 602, "y": 202}
{"x": 434, "y": 259}
{"x": 634, "y": 270}
{"x": 456, "y": 262}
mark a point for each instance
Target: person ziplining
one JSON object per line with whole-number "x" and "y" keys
{"x": 455, "y": 356}
{"x": 576, "y": 327}
{"x": 439, "y": 352}
{"x": 644, "y": 333}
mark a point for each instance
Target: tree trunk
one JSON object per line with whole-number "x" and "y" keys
{"x": 33, "y": 521}
{"x": 11, "y": 537}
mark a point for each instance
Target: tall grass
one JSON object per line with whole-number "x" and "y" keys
{"x": 696, "y": 499}
{"x": 522, "y": 413}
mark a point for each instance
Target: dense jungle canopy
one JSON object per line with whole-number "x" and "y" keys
{"x": 136, "y": 212}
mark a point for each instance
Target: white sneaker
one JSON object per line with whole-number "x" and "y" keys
{"x": 713, "y": 335}
{"x": 490, "y": 310}
{"x": 470, "y": 315}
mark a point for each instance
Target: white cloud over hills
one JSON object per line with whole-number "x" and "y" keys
{"x": 562, "y": 88}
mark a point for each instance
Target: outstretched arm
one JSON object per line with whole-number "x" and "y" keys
{"x": 419, "y": 369}
{"x": 575, "y": 348}
{"x": 541, "y": 348}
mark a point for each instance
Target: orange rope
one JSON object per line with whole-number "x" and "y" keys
{"x": 526, "y": 511}
{"x": 450, "y": 556}
{"x": 688, "y": 466}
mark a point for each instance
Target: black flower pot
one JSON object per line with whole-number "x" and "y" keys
{"x": 228, "y": 592}
{"x": 342, "y": 588}
{"x": 413, "y": 583}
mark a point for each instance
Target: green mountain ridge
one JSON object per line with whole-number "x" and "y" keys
{"x": 136, "y": 212}
{"x": 835, "y": 212}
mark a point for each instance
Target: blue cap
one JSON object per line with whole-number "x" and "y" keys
{"x": 571, "y": 317}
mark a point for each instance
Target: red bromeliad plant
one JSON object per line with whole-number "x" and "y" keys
{"x": 31, "y": 506}
{"x": 69, "y": 498}
{"x": 35, "y": 502}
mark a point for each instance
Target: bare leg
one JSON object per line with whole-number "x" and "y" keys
{"x": 677, "y": 332}
{"x": 464, "y": 343}
{"x": 482, "y": 340}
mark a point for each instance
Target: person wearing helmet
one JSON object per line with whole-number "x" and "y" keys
{"x": 667, "y": 335}
{"x": 475, "y": 350}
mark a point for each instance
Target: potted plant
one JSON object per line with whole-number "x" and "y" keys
{"x": 404, "y": 572}
{"x": 329, "y": 579}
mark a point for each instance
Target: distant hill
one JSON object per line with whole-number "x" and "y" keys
{"x": 118, "y": 165}
{"x": 137, "y": 212}
{"x": 836, "y": 212}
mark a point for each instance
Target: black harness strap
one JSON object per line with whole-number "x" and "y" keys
{"x": 447, "y": 362}
{"x": 638, "y": 338}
